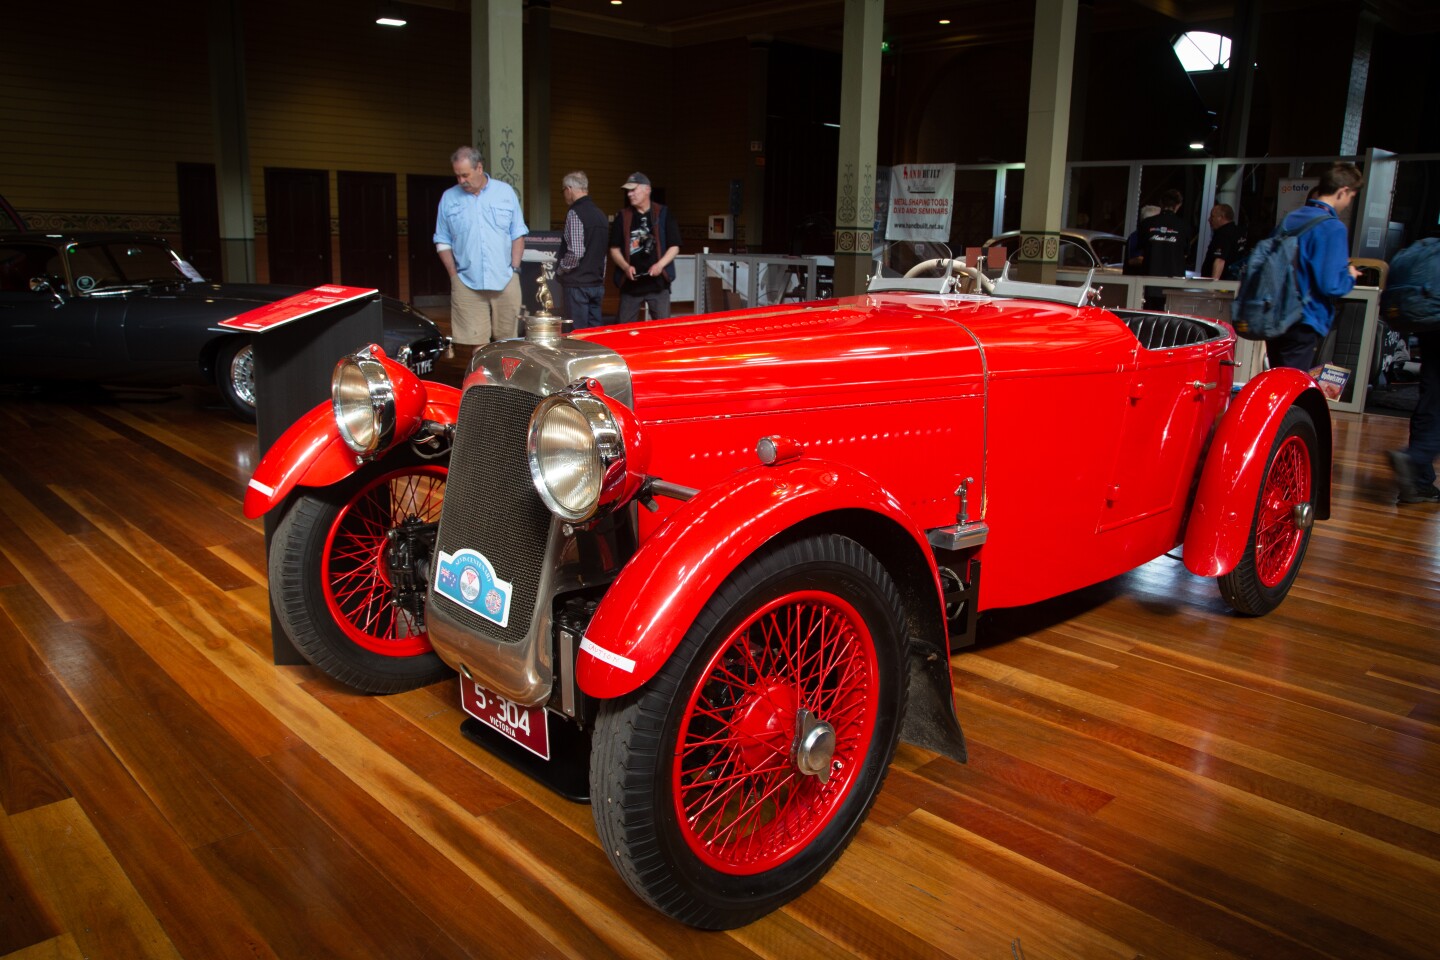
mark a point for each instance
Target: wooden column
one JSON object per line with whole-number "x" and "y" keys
{"x": 859, "y": 120}
{"x": 497, "y": 104}
{"x": 232, "y": 142}
{"x": 758, "y": 93}
{"x": 1052, "y": 65}
{"x": 537, "y": 134}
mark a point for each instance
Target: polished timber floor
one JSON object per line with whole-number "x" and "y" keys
{"x": 1150, "y": 776}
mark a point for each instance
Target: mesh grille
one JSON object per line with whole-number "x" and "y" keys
{"x": 491, "y": 504}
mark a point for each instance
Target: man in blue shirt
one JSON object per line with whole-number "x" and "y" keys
{"x": 480, "y": 236}
{"x": 1323, "y": 266}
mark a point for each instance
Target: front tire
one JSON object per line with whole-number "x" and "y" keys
{"x": 1281, "y": 529}
{"x": 348, "y": 570}
{"x": 706, "y": 783}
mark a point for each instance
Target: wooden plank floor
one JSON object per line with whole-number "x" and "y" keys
{"x": 1150, "y": 776}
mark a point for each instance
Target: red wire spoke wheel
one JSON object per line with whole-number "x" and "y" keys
{"x": 1277, "y": 536}
{"x": 1284, "y": 515}
{"x": 356, "y": 563}
{"x": 731, "y": 781}
{"x": 348, "y": 571}
{"x": 743, "y": 803}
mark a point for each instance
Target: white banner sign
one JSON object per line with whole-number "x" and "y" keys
{"x": 1292, "y": 194}
{"x": 921, "y": 201}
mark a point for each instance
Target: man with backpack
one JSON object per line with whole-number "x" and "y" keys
{"x": 1322, "y": 265}
{"x": 1411, "y": 304}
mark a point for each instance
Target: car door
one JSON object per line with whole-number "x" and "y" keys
{"x": 46, "y": 334}
{"x": 1170, "y": 404}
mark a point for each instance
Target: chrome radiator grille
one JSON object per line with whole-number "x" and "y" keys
{"x": 491, "y": 504}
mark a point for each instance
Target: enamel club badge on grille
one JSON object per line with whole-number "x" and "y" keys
{"x": 467, "y": 578}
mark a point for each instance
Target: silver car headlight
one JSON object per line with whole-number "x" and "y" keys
{"x": 364, "y": 401}
{"x": 577, "y": 455}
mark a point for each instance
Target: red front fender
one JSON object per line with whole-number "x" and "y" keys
{"x": 311, "y": 454}
{"x": 1224, "y": 510}
{"x": 662, "y": 589}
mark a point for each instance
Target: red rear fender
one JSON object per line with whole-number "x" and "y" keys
{"x": 1219, "y": 525}
{"x": 660, "y": 592}
{"x": 311, "y": 454}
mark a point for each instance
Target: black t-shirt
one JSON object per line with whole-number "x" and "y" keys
{"x": 1224, "y": 245}
{"x": 644, "y": 248}
{"x": 1164, "y": 243}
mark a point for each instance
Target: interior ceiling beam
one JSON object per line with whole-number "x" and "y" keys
{"x": 681, "y": 23}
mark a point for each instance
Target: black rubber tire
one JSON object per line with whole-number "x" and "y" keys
{"x": 240, "y": 397}
{"x": 1242, "y": 588}
{"x": 300, "y": 597}
{"x": 632, "y": 797}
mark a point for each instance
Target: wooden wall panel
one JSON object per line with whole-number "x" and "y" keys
{"x": 327, "y": 88}
{"x": 95, "y": 125}
{"x": 97, "y": 107}
{"x": 711, "y": 130}
{"x": 612, "y": 112}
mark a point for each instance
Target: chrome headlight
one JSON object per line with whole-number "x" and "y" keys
{"x": 577, "y": 453}
{"x": 364, "y": 401}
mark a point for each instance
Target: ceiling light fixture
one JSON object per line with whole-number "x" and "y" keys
{"x": 944, "y": 23}
{"x": 390, "y": 16}
{"x": 1197, "y": 146}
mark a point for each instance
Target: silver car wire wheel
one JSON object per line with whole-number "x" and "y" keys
{"x": 242, "y": 374}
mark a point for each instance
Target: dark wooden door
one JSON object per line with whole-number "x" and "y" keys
{"x": 199, "y": 217}
{"x": 297, "y": 214}
{"x": 369, "y": 231}
{"x": 427, "y": 274}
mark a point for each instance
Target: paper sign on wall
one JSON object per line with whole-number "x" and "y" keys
{"x": 922, "y": 199}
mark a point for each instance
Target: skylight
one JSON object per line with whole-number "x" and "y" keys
{"x": 1199, "y": 51}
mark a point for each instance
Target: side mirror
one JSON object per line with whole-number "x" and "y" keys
{"x": 42, "y": 285}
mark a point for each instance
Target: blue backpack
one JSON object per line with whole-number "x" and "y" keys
{"x": 1410, "y": 302}
{"x": 1269, "y": 302}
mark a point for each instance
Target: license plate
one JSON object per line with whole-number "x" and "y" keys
{"x": 424, "y": 366}
{"x": 524, "y": 725}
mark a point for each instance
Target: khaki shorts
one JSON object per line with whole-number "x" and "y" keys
{"x": 479, "y": 316}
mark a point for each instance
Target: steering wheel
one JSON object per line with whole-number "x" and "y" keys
{"x": 966, "y": 279}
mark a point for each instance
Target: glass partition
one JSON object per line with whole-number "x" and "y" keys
{"x": 1415, "y": 210}
{"x": 1097, "y": 198}
{"x": 1014, "y": 192}
{"x": 1253, "y": 191}
{"x": 1189, "y": 179}
{"x": 974, "y": 220}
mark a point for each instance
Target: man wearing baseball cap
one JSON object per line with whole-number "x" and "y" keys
{"x": 644, "y": 241}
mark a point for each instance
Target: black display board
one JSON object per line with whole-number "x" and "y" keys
{"x": 293, "y": 366}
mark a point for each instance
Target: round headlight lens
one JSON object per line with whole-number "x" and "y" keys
{"x": 364, "y": 402}
{"x": 565, "y": 460}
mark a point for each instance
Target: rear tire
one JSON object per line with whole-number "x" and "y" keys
{"x": 1278, "y": 534}
{"x": 702, "y": 799}
{"x": 352, "y": 604}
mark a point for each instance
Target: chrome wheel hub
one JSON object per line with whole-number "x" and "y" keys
{"x": 814, "y": 745}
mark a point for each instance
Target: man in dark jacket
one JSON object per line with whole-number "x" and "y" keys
{"x": 581, "y": 268}
{"x": 1164, "y": 245}
{"x": 1323, "y": 267}
{"x": 644, "y": 242}
{"x": 1222, "y": 260}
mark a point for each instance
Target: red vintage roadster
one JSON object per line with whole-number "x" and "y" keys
{"x": 708, "y": 571}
